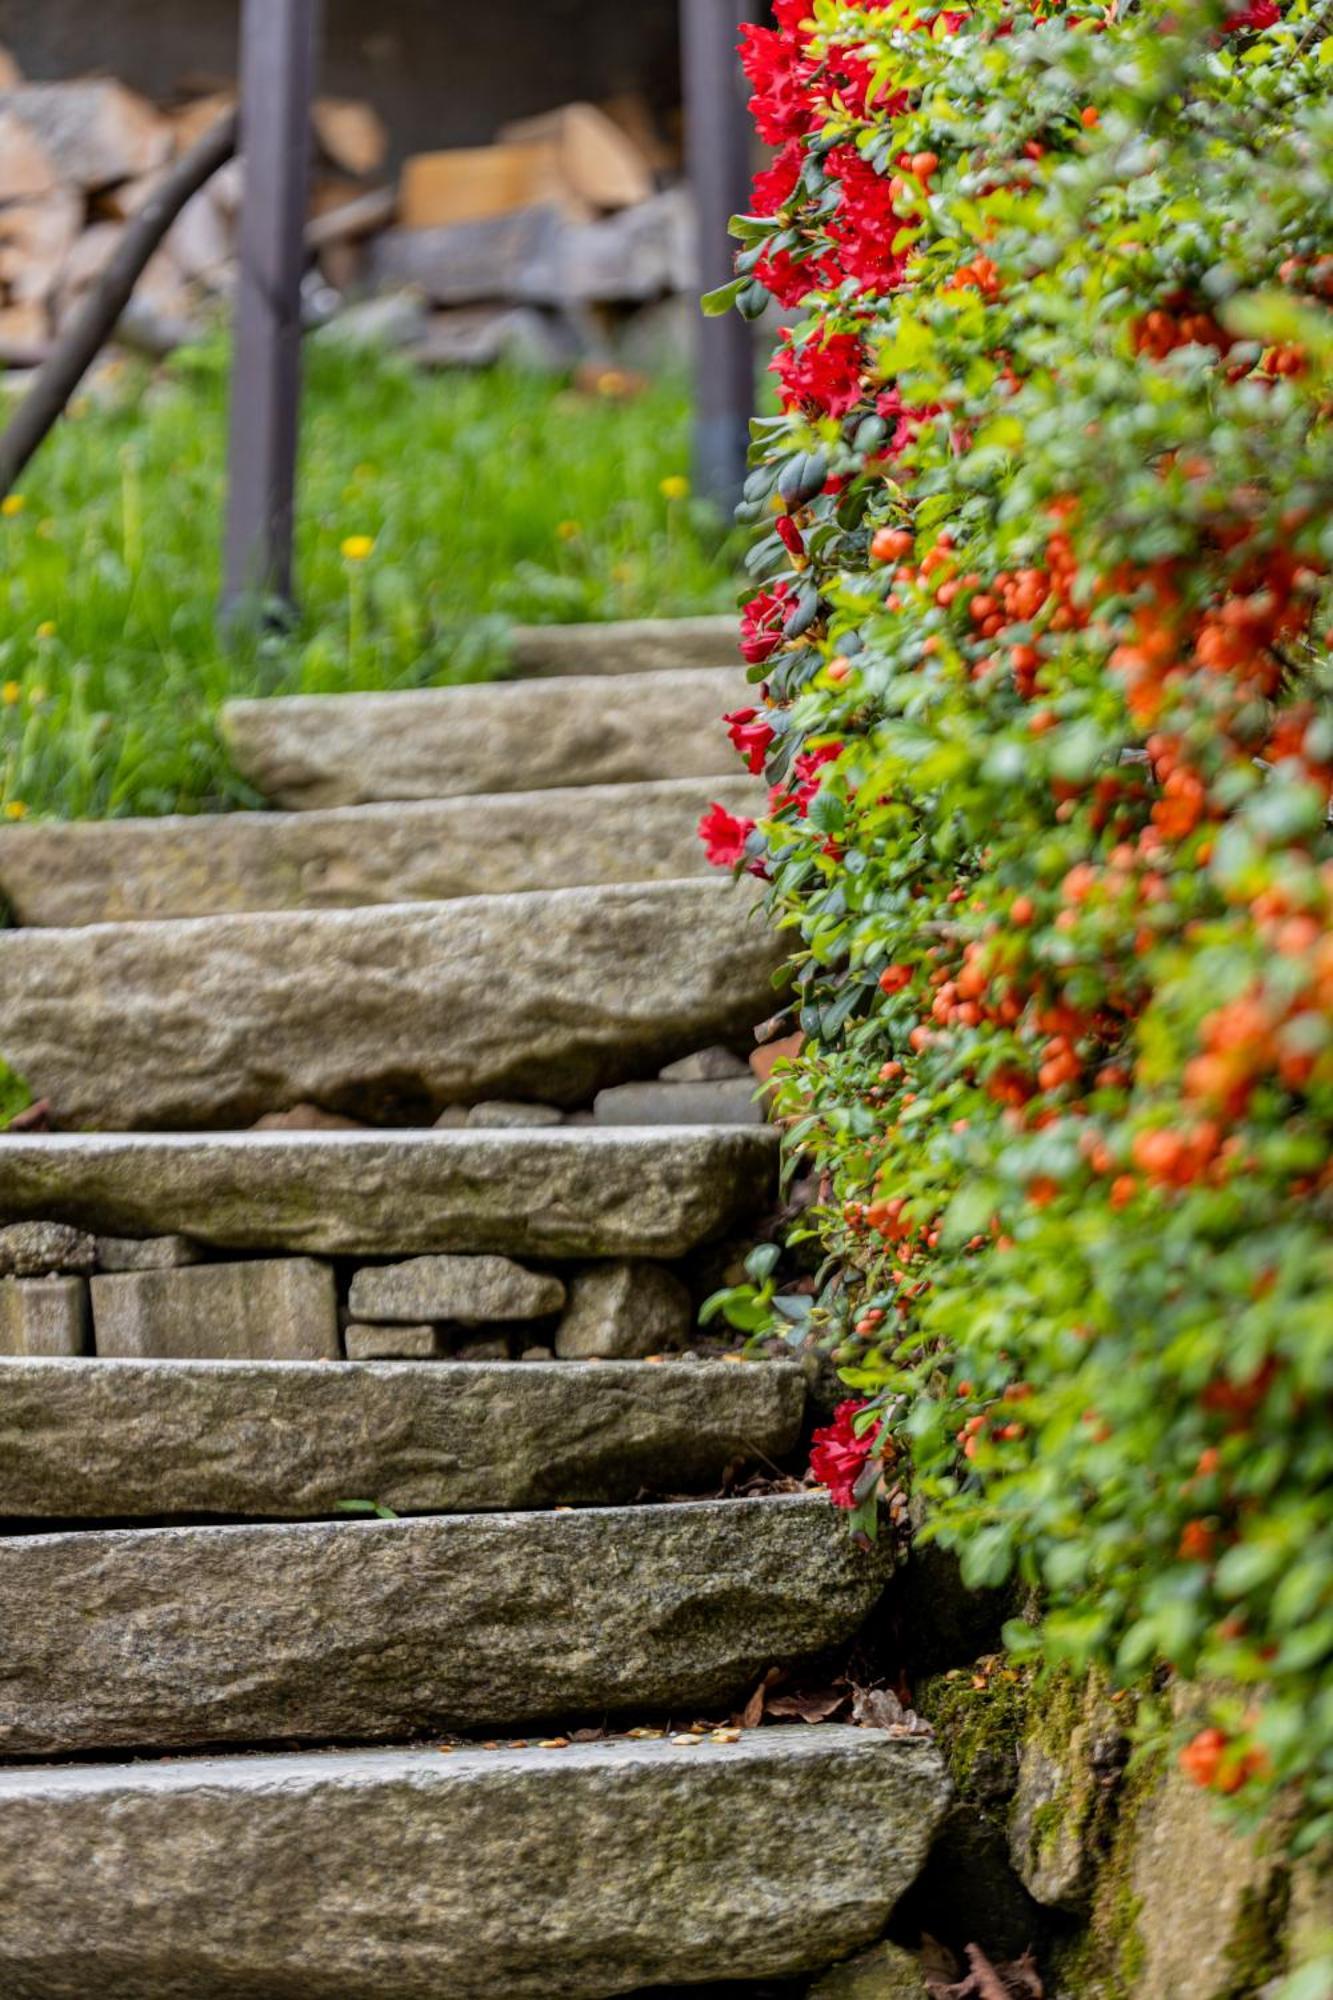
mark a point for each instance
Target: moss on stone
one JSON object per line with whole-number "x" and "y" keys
{"x": 1106, "y": 1959}
{"x": 980, "y": 1728}
{"x": 1257, "y": 1947}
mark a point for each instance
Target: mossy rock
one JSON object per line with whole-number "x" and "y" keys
{"x": 980, "y": 1718}
{"x": 888, "y": 1972}
{"x": 1073, "y": 1751}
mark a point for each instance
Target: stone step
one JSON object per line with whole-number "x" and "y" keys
{"x": 116, "y": 871}
{"x": 638, "y": 646}
{"x": 527, "y": 1191}
{"x": 388, "y": 1014}
{"x": 135, "y": 1440}
{"x": 305, "y": 751}
{"x": 358, "y": 1631}
{"x": 581, "y": 1872}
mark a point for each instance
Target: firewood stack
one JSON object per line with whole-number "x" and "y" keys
{"x": 539, "y": 246}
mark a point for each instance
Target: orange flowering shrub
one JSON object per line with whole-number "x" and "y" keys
{"x": 1041, "y": 645}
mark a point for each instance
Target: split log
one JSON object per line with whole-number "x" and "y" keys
{"x": 89, "y": 331}
{"x": 27, "y": 171}
{"x": 591, "y": 156}
{"x": 96, "y": 132}
{"x": 365, "y": 215}
{"x": 351, "y": 134}
{"x": 36, "y": 239}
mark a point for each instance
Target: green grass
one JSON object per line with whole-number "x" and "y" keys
{"x": 491, "y": 499}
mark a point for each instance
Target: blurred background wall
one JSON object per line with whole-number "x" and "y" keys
{"x": 439, "y": 74}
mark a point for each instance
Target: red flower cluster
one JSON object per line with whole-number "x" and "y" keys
{"x": 751, "y": 737}
{"x": 838, "y": 1456}
{"x": 724, "y": 836}
{"x": 822, "y": 377}
{"x": 762, "y": 622}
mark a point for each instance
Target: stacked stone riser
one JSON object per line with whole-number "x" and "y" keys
{"x": 610, "y": 1283}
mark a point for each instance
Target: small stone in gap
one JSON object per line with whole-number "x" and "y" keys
{"x": 395, "y": 1343}
{"x": 482, "y": 1350}
{"x": 147, "y": 1253}
{"x": 45, "y": 1250}
{"x": 705, "y": 1066}
{"x": 452, "y": 1119}
{"x": 554, "y": 1743}
{"x": 502, "y": 1115}
{"x": 537, "y": 1354}
{"x": 307, "y": 1118}
{"x": 44, "y": 1317}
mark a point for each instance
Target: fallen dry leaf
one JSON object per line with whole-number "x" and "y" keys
{"x": 817, "y": 1706}
{"x": 1017, "y": 1981}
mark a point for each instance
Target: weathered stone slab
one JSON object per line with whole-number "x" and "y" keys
{"x": 727, "y": 1101}
{"x": 387, "y": 1014}
{"x": 111, "y": 871}
{"x": 467, "y": 1290}
{"x": 564, "y": 1192}
{"x": 394, "y": 1343}
{"x": 45, "y": 1250}
{"x": 305, "y": 751}
{"x": 272, "y": 1309}
{"x": 623, "y": 1311}
{"x": 125, "y": 1440}
{"x": 638, "y": 646}
{"x": 367, "y": 1874}
{"x": 43, "y": 1316}
{"x": 146, "y": 1253}
{"x": 363, "y": 1630}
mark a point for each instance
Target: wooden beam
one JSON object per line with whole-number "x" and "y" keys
{"x": 718, "y": 152}
{"x": 279, "y": 40}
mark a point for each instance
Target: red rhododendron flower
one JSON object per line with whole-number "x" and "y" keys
{"x": 838, "y": 1456}
{"x": 751, "y": 735}
{"x": 822, "y": 377}
{"x": 866, "y": 225}
{"x": 1261, "y": 14}
{"x": 775, "y": 186}
{"x": 790, "y": 14}
{"x": 724, "y": 836}
{"x": 782, "y": 103}
{"x": 761, "y": 623}
{"x": 906, "y": 420}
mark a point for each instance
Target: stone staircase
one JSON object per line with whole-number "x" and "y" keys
{"x": 362, "y": 1578}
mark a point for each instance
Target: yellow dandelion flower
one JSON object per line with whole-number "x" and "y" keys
{"x": 11, "y": 692}
{"x": 358, "y": 548}
{"x": 569, "y": 531}
{"x": 15, "y": 809}
{"x": 675, "y": 487}
{"x": 47, "y": 629}
{"x": 12, "y": 504}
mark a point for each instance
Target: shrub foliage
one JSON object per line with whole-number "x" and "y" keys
{"x": 1043, "y": 629}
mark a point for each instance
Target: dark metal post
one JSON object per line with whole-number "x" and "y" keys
{"x": 717, "y": 128}
{"x": 278, "y": 54}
